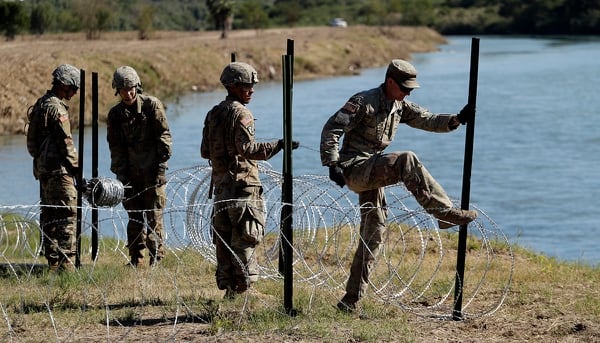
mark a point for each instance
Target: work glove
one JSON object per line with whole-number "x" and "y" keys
{"x": 73, "y": 171}
{"x": 82, "y": 187}
{"x": 124, "y": 180}
{"x": 337, "y": 175}
{"x": 295, "y": 144}
{"x": 466, "y": 114}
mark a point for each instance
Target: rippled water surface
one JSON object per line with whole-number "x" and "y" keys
{"x": 537, "y": 135}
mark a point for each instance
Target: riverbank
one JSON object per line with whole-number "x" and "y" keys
{"x": 172, "y": 64}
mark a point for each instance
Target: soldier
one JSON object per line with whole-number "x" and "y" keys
{"x": 55, "y": 164}
{"x": 140, "y": 145}
{"x": 228, "y": 142}
{"x": 369, "y": 121}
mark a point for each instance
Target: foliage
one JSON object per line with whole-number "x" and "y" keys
{"x": 145, "y": 21}
{"x": 95, "y": 16}
{"x": 42, "y": 16}
{"x": 446, "y": 16}
{"x": 12, "y": 18}
{"x": 252, "y": 15}
{"x": 221, "y": 12}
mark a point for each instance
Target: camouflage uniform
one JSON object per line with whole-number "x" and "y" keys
{"x": 369, "y": 122}
{"x": 55, "y": 164}
{"x": 140, "y": 146}
{"x": 238, "y": 217}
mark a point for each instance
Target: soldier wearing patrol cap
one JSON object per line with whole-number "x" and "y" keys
{"x": 229, "y": 144}
{"x": 139, "y": 141}
{"x": 369, "y": 121}
{"x": 55, "y": 164}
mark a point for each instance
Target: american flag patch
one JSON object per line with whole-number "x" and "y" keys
{"x": 246, "y": 120}
{"x": 350, "y": 107}
{"x": 64, "y": 118}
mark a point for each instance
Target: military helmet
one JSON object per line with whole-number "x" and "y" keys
{"x": 238, "y": 72}
{"x": 403, "y": 73}
{"x": 67, "y": 74}
{"x": 126, "y": 77}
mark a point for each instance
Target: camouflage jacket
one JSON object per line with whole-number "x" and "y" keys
{"x": 139, "y": 138}
{"x": 49, "y": 139}
{"x": 228, "y": 142}
{"x": 369, "y": 122}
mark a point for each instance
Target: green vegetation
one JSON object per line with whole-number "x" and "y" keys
{"x": 445, "y": 16}
{"x": 549, "y": 300}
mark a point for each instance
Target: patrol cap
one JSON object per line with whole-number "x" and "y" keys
{"x": 403, "y": 73}
{"x": 126, "y": 77}
{"x": 67, "y": 74}
{"x": 238, "y": 72}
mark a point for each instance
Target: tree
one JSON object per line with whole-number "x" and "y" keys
{"x": 290, "y": 12}
{"x": 42, "y": 16}
{"x": 253, "y": 15}
{"x": 417, "y": 12}
{"x": 95, "y": 16}
{"x": 222, "y": 13}
{"x": 12, "y": 18}
{"x": 145, "y": 22}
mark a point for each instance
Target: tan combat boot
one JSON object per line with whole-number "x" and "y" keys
{"x": 455, "y": 216}
{"x": 67, "y": 266}
{"x": 53, "y": 266}
{"x": 136, "y": 261}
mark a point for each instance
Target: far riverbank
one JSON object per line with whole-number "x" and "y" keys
{"x": 172, "y": 64}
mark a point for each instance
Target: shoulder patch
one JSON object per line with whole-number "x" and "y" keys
{"x": 246, "y": 120}
{"x": 350, "y": 107}
{"x": 64, "y": 118}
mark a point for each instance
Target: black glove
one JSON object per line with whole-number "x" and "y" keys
{"x": 124, "y": 180}
{"x": 295, "y": 144}
{"x": 73, "y": 171}
{"x": 81, "y": 186}
{"x": 337, "y": 175}
{"x": 466, "y": 114}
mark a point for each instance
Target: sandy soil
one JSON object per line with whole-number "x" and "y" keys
{"x": 174, "y": 63}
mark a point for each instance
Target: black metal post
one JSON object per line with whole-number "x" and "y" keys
{"x": 94, "y": 161}
{"x": 233, "y": 57}
{"x": 287, "y": 197}
{"x": 466, "y": 187}
{"x": 79, "y": 176}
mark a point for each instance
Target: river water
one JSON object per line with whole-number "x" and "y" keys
{"x": 536, "y": 146}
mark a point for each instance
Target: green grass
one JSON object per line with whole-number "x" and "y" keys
{"x": 109, "y": 301}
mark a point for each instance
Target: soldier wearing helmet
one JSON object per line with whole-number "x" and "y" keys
{"x": 55, "y": 164}
{"x": 140, "y": 143}
{"x": 369, "y": 121}
{"x": 228, "y": 142}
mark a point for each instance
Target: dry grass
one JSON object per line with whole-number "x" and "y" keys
{"x": 174, "y": 63}
{"x": 549, "y": 301}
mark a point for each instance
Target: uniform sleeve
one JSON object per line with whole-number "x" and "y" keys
{"x": 204, "y": 147}
{"x": 340, "y": 122}
{"x": 64, "y": 140}
{"x": 245, "y": 143}
{"x": 161, "y": 128}
{"x": 116, "y": 144}
{"x": 421, "y": 118}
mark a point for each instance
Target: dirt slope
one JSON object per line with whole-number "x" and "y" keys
{"x": 174, "y": 63}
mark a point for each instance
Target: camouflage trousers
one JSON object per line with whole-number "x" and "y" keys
{"x": 368, "y": 179}
{"x": 144, "y": 205}
{"x": 238, "y": 222}
{"x": 58, "y": 217}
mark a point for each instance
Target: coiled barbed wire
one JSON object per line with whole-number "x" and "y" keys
{"x": 326, "y": 221}
{"x": 104, "y": 192}
{"x": 414, "y": 270}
